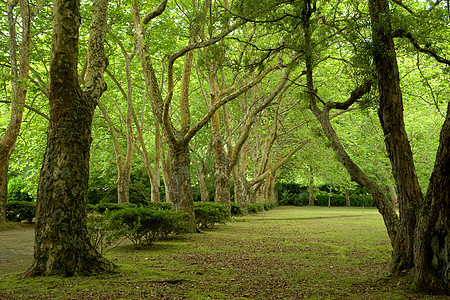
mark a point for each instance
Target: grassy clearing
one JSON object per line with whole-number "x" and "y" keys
{"x": 286, "y": 253}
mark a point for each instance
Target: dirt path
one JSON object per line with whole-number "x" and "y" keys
{"x": 16, "y": 248}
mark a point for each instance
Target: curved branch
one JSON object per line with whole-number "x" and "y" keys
{"x": 155, "y": 12}
{"x": 403, "y": 34}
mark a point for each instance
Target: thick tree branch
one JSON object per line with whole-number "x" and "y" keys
{"x": 155, "y": 12}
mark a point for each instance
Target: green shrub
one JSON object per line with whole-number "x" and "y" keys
{"x": 335, "y": 200}
{"x": 17, "y": 211}
{"x": 254, "y": 208}
{"x": 161, "y": 205}
{"x": 17, "y": 191}
{"x": 102, "y": 234}
{"x": 209, "y": 213}
{"x": 362, "y": 200}
{"x": 236, "y": 210}
{"x": 143, "y": 225}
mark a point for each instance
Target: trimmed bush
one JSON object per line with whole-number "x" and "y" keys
{"x": 143, "y": 225}
{"x": 17, "y": 211}
{"x": 102, "y": 234}
{"x": 236, "y": 210}
{"x": 254, "y": 208}
{"x": 209, "y": 213}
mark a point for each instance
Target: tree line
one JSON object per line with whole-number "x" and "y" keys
{"x": 256, "y": 92}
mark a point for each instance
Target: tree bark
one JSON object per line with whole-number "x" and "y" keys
{"x": 62, "y": 245}
{"x": 180, "y": 175}
{"x": 201, "y": 175}
{"x": 347, "y": 197}
{"x": 423, "y": 236}
{"x": 19, "y": 73}
{"x": 394, "y": 197}
{"x": 432, "y": 235}
{"x": 221, "y": 160}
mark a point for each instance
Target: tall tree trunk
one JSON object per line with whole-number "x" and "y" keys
{"x": 62, "y": 245}
{"x": 180, "y": 175}
{"x": 201, "y": 175}
{"x": 311, "y": 186}
{"x": 396, "y": 139}
{"x": 347, "y": 197}
{"x": 221, "y": 161}
{"x": 19, "y": 74}
{"x": 123, "y": 186}
{"x": 123, "y": 167}
{"x": 165, "y": 163}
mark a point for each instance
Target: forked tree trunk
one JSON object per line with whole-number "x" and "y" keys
{"x": 62, "y": 245}
{"x": 423, "y": 238}
{"x": 396, "y": 139}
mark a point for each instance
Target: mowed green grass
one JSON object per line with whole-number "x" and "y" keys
{"x": 285, "y": 253}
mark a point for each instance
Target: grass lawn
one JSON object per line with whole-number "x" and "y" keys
{"x": 285, "y": 253}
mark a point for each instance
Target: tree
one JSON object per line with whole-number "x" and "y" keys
{"x": 19, "y": 82}
{"x": 420, "y": 232}
{"x": 178, "y": 138}
{"x": 422, "y": 239}
{"x": 62, "y": 246}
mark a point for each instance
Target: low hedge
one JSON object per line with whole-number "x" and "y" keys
{"x": 209, "y": 213}
{"x": 236, "y": 210}
{"x": 143, "y": 225}
{"x": 17, "y": 211}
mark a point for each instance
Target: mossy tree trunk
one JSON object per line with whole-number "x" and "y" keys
{"x": 62, "y": 245}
